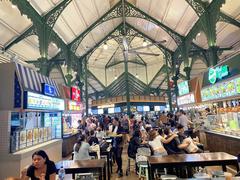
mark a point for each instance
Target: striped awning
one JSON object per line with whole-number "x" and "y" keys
{"x": 32, "y": 80}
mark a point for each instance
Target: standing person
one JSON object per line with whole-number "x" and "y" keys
{"x": 42, "y": 168}
{"x": 183, "y": 120}
{"x": 81, "y": 149}
{"x": 125, "y": 126}
{"x": 117, "y": 144}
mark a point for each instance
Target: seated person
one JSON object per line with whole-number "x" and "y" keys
{"x": 155, "y": 141}
{"x": 134, "y": 144}
{"x": 172, "y": 146}
{"x": 92, "y": 139}
{"x": 81, "y": 149}
{"x": 186, "y": 143}
{"x": 42, "y": 168}
{"x": 100, "y": 134}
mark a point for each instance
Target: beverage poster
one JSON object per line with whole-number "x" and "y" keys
{"x": 40, "y": 134}
{"x": 49, "y": 133}
{"x": 35, "y": 135}
{"x": 29, "y": 137}
{"x": 45, "y": 134}
{"x": 23, "y": 139}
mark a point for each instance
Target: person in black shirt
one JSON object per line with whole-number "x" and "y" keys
{"x": 117, "y": 144}
{"x": 92, "y": 140}
{"x": 42, "y": 168}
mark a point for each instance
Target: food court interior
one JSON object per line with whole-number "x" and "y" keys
{"x": 119, "y": 89}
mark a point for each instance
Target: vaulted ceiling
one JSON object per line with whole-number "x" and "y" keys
{"x": 68, "y": 33}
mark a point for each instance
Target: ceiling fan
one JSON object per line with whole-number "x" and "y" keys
{"x": 126, "y": 47}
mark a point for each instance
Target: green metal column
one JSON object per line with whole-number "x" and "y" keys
{"x": 212, "y": 55}
{"x": 127, "y": 84}
{"x": 187, "y": 71}
{"x": 175, "y": 79}
{"x": 86, "y": 86}
{"x": 168, "y": 82}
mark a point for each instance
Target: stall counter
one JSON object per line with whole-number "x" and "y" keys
{"x": 217, "y": 141}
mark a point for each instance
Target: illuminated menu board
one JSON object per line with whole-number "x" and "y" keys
{"x": 42, "y": 102}
{"x": 110, "y": 110}
{"x": 156, "y": 108}
{"x": 146, "y": 108}
{"x": 100, "y": 111}
{"x": 187, "y": 99}
{"x": 221, "y": 90}
{"x": 183, "y": 88}
{"x": 73, "y": 106}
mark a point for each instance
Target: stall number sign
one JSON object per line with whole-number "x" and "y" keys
{"x": 218, "y": 73}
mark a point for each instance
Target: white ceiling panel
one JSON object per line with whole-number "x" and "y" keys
{"x": 197, "y": 68}
{"x": 52, "y": 50}
{"x": 201, "y": 40}
{"x": 228, "y": 36}
{"x": 43, "y": 6}
{"x": 28, "y": 49}
{"x": 56, "y": 75}
{"x": 231, "y": 7}
{"x": 151, "y": 30}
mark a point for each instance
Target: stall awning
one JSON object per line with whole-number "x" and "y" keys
{"x": 32, "y": 80}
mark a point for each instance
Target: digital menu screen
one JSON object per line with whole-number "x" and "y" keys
{"x": 42, "y": 102}
{"x": 157, "y": 108}
{"x": 117, "y": 110}
{"x": 140, "y": 108}
{"x": 100, "y": 111}
{"x": 183, "y": 88}
{"x": 110, "y": 110}
{"x": 187, "y": 99}
{"x": 146, "y": 108}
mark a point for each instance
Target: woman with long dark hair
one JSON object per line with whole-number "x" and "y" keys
{"x": 81, "y": 149}
{"x": 42, "y": 168}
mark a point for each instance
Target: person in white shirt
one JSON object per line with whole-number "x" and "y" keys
{"x": 155, "y": 141}
{"x": 183, "y": 120}
{"x": 81, "y": 149}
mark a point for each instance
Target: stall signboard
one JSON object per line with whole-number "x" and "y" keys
{"x": 217, "y": 73}
{"x": 183, "y": 88}
{"x": 73, "y": 106}
{"x": 117, "y": 109}
{"x": 100, "y": 111}
{"x": 42, "y": 102}
{"x": 75, "y": 94}
{"x": 157, "y": 108}
{"x": 110, "y": 110}
{"x": 186, "y": 99}
{"x": 140, "y": 108}
{"x": 146, "y": 108}
{"x": 48, "y": 89}
{"x": 221, "y": 90}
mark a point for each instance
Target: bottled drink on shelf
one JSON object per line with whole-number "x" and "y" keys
{"x": 61, "y": 173}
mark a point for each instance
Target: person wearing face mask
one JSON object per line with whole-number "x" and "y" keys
{"x": 42, "y": 168}
{"x": 100, "y": 134}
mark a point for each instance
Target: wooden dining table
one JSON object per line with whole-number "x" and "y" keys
{"x": 192, "y": 160}
{"x": 83, "y": 166}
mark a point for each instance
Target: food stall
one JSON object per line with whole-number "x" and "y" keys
{"x": 30, "y": 112}
{"x": 73, "y": 112}
{"x": 221, "y": 87}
